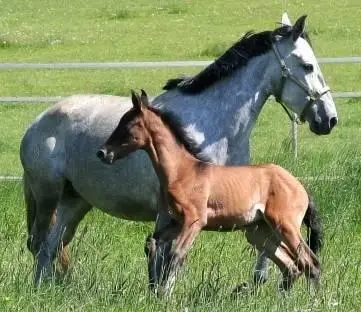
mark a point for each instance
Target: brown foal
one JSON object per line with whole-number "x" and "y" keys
{"x": 265, "y": 201}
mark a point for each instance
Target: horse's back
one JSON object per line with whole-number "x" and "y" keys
{"x": 61, "y": 144}
{"x": 45, "y": 141}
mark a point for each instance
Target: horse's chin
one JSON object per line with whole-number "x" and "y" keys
{"x": 319, "y": 129}
{"x": 108, "y": 161}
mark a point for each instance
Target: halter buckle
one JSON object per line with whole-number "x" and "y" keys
{"x": 285, "y": 71}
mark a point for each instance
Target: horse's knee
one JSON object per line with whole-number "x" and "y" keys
{"x": 260, "y": 276}
{"x": 33, "y": 243}
{"x": 150, "y": 246}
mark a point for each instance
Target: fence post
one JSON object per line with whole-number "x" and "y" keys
{"x": 294, "y": 135}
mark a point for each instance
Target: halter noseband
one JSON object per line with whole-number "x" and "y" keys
{"x": 286, "y": 73}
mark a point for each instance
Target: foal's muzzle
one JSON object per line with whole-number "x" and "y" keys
{"x": 105, "y": 156}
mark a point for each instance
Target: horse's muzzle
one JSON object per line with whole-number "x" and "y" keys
{"x": 323, "y": 128}
{"x": 105, "y": 156}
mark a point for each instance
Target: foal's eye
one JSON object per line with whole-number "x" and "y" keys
{"x": 308, "y": 67}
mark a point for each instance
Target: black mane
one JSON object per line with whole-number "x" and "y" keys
{"x": 249, "y": 46}
{"x": 172, "y": 121}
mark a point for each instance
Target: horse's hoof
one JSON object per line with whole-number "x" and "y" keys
{"x": 243, "y": 289}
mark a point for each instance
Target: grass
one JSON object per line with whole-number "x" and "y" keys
{"x": 109, "y": 271}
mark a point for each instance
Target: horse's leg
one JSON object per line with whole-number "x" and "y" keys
{"x": 71, "y": 209}
{"x": 260, "y": 274}
{"x": 45, "y": 197}
{"x": 158, "y": 252}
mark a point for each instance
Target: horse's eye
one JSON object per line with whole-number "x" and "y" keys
{"x": 308, "y": 67}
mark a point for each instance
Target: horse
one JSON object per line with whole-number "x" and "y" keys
{"x": 218, "y": 107}
{"x": 265, "y": 201}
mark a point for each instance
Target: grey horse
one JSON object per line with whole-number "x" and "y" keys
{"x": 219, "y": 106}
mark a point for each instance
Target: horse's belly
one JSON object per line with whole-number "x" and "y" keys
{"x": 128, "y": 189}
{"x": 134, "y": 210}
{"x": 137, "y": 206}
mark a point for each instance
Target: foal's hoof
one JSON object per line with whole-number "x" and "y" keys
{"x": 243, "y": 289}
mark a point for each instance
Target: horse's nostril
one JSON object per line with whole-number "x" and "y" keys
{"x": 101, "y": 154}
{"x": 333, "y": 122}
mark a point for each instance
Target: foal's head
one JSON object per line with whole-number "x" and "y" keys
{"x": 130, "y": 134}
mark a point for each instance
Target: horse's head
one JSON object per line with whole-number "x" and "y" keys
{"x": 297, "y": 80}
{"x": 130, "y": 134}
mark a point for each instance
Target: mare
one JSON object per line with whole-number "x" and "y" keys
{"x": 218, "y": 107}
{"x": 265, "y": 201}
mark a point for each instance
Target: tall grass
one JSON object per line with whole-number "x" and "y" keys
{"x": 109, "y": 272}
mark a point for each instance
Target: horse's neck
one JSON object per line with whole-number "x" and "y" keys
{"x": 168, "y": 157}
{"x": 220, "y": 118}
{"x": 242, "y": 96}
{"x": 246, "y": 91}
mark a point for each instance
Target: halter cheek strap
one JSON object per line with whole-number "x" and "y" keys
{"x": 286, "y": 73}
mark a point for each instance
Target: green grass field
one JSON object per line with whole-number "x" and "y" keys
{"x": 109, "y": 271}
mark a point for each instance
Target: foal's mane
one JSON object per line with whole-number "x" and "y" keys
{"x": 174, "y": 124}
{"x": 249, "y": 46}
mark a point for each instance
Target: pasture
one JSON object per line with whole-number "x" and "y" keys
{"x": 109, "y": 267}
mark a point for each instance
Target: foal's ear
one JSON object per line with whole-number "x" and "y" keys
{"x": 137, "y": 103}
{"x": 299, "y": 27}
{"x": 144, "y": 98}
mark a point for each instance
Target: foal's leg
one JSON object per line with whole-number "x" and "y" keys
{"x": 185, "y": 238}
{"x": 185, "y": 235}
{"x": 263, "y": 238}
{"x": 290, "y": 233}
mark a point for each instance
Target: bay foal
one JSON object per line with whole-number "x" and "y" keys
{"x": 265, "y": 201}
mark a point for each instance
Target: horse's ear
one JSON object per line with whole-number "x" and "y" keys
{"x": 137, "y": 104}
{"x": 299, "y": 27}
{"x": 144, "y": 98}
{"x": 285, "y": 20}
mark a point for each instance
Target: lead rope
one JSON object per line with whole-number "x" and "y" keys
{"x": 295, "y": 121}
{"x": 292, "y": 116}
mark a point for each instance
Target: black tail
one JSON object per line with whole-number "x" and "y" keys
{"x": 313, "y": 222}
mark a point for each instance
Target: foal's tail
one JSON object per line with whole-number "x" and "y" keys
{"x": 313, "y": 222}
